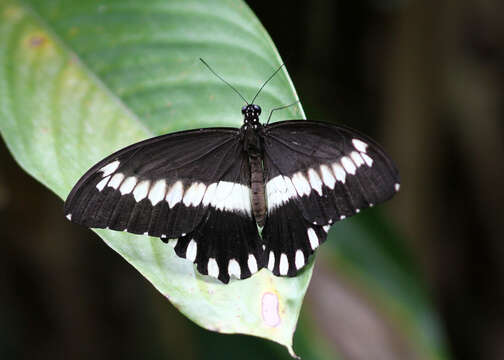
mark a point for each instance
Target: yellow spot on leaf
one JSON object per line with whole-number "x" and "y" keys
{"x": 39, "y": 48}
{"x": 39, "y": 43}
{"x": 36, "y": 41}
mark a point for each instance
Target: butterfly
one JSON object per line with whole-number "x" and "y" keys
{"x": 238, "y": 199}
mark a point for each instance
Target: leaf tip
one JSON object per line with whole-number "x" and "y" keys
{"x": 292, "y": 353}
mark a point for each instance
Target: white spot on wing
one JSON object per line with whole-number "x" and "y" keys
{"x": 326, "y": 228}
{"x": 209, "y": 194}
{"x": 357, "y": 159}
{"x": 348, "y": 165}
{"x": 279, "y": 190}
{"x": 367, "y": 159}
{"x": 284, "y": 264}
{"x": 234, "y": 268}
{"x": 174, "y": 194}
{"x": 252, "y": 264}
{"x": 230, "y": 196}
{"x": 163, "y": 236}
{"x": 397, "y": 186}
{"x": 194, "y": 194}
{"x": 213, "y": 268}
{"x": 301, "y": 184}
{"x": 110, "y": 168}
{"x": 300, "y": 261}
{"x": 116, "y": 180}
{"x": 315, "y": 181}
{"x": 141, "y": 190}
{"x": 327, "y": 176}
{"x": 192, "y": 250}
{"x": 271, "y": 261}
{"x": 342, "y": 217}
{"x": 339, "y": 172}
{"x": 157, "y": 192}
{"x": 359, "y": 145}
{"x": 128, "y": 185}
{"x": 69, "y": 216}
{"x": 312, "y": 236}
{"x": 102, "y": 183}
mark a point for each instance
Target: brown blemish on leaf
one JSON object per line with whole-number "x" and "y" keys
{"x": 36, "y": 41}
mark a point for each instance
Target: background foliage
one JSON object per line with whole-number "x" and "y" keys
{"x": 421, "y": 77}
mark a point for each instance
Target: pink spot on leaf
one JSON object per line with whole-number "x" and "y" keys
{"x": 269, "y": 309}
{"x": 36, "y": 41}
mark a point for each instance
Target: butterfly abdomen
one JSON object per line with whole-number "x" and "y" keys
{"x": 257, "y": 187}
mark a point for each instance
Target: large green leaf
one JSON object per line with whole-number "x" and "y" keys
{"x": 80, "y": 79}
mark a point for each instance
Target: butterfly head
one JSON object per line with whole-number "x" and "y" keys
{"x": 251, "y": 114}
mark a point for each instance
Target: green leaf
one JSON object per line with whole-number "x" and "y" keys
{"x": 80, "y": 79}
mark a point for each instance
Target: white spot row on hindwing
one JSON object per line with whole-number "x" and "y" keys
{"x": 213, "y": 269}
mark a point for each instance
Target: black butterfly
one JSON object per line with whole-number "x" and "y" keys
{"x": 211, "y": 188}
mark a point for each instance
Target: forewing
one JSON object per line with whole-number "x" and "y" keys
{"x": 317, "y": 174}
{"x": 156, "y": 186}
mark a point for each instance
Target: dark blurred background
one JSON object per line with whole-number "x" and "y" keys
{"x": 425, "y": 78}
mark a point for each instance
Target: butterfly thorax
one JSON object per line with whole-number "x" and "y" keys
{"x": 252, "y": 145}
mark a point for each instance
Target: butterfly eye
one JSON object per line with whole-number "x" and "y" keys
{"x": 258, "y": 109}
{"x": 244, "y": 109}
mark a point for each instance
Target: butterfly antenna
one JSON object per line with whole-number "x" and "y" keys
{"x": 263, "y": 85}
{"x": 280, "y": 108}
{"x": 220, "y": 77}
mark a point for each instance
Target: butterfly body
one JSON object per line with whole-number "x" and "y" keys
{"x": 210, "y": 188}
{"x": 252, "y": 132}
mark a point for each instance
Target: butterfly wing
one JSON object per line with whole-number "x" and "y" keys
{"x": 317, "y": 174}
{"x": 192, "y": 186}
